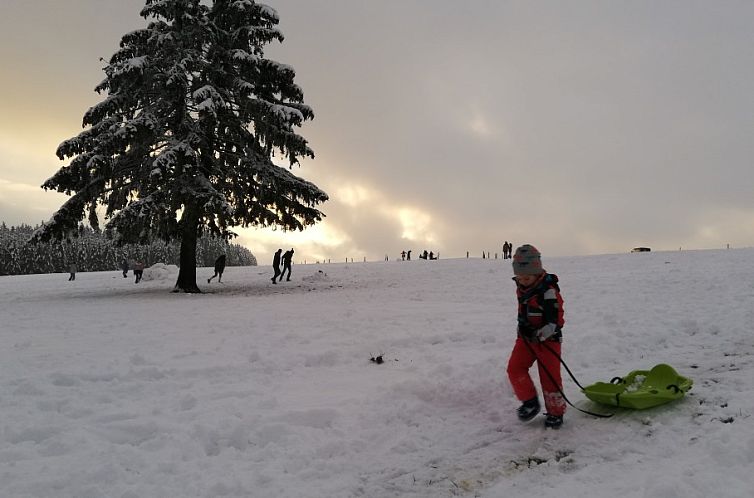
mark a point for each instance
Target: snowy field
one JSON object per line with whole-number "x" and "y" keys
{"x": 114, "y": 390}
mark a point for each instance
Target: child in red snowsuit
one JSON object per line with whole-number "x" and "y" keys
{"x": 540, "y": 320}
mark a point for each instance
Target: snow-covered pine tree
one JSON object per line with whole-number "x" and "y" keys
{"x": 183, "y": 143}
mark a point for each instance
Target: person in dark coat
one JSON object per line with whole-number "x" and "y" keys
{"x": 287, "y": 257}
{"x": 276, "y": 265}
{"x": 138, "y": 271}
{"x": 124, "y": 267}
{"x": 72, "y": 269}
{"x": 219, "y": 269}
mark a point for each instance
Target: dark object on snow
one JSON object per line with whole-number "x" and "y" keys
{"x": 377, "y": 359}
{"x": 528, "y": 409}
{"x": 553, "y": 421}
{"x": 641, "y": 249}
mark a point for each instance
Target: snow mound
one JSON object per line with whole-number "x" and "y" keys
{"x": 160, "y": 271}
{"x": 320, "y": 276}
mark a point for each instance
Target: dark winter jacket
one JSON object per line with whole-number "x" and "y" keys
{"x": 220, "y": 264}
{"x": 287, "y": 256}
{"x": 276, "y": 259}
{"x": 539, "y": 305}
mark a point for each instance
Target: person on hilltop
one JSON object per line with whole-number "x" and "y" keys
{"x": 287, "y": 257}
{"x": 72, "y": 270}
{"x": 540, "y": 323}
{"x": 219, "y": 269}
{"x": 276, "y": 265}
{"x": 124, "y": 267}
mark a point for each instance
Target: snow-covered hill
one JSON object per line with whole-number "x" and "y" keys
{"x": 111, "y": 389}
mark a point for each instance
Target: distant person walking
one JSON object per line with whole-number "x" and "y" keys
{"x": 138, "y": 271}
{"x": 72, "y": 269}
{"x": 276, "y": 265}
{"x": 124, "y": 267}
{"x": 219, "y": 269}
{"x": 287, "y": 257}
{"x": 408, "y": 255}
{"x": 507, "y": 250}
{"x": 403, "y": 255}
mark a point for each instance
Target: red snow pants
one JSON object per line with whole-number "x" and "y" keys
{"x": 521, "y": 360}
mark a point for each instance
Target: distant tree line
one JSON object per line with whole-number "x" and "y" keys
{"x": 92, "y": 250}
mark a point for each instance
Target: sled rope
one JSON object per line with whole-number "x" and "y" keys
{"x": 560, "y": 359}
{"x": 552, "y": 379}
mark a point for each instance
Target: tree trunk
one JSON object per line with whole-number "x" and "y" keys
{"x": 187, "y": 272}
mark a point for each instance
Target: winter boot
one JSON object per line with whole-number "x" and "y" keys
{"x": 528, "y": 409}
{"x": 554, "y": 421}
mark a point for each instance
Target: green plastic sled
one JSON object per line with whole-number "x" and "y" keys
{"x": 641, "y": 389}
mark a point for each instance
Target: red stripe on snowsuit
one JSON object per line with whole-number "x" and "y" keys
{"x": 518, "y": 373}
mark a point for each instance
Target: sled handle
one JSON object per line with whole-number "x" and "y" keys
{"x": 616, "y": 380}
{"x": 675, "y": 388}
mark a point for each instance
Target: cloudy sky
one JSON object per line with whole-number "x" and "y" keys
{"x": 581, "y": 127}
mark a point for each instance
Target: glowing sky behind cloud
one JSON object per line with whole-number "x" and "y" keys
{"x": 582, "y": 127}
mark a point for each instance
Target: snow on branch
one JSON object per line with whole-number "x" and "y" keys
{"x": 280, "y": 67}
{"x": 213, "y": 201}
{"x": 111, "y": 105}
{"x": 262, "y": 9}
{"x": 127, "y": 66}
{"x": 287, "y": 113}
{"x": 206, "y": 92}
{"x": 268, "y": 11}
{"x": 243, "y": 56}
{"x": 243, "y": 86}
{"x": 63, "y": 222}
{"x": 136, "y": 217}
{"x": 280, "y": 179}
{"x": 169, "y": 157}
{"x": 208, "y": 98}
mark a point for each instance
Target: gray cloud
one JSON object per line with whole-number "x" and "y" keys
{"x": 581, "y": 127}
